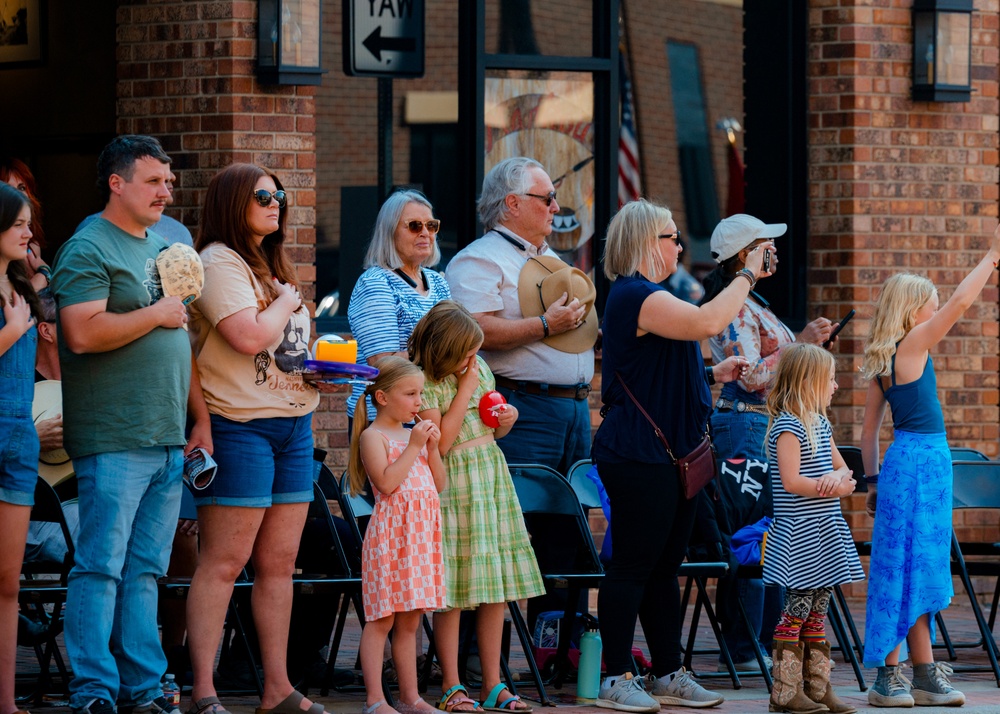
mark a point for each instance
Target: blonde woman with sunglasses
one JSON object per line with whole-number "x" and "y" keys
{"x": 398, "y": 287}
{"x": 251, "y": 340}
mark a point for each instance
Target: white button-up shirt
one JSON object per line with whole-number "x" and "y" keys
{"x": 483, "y": 277}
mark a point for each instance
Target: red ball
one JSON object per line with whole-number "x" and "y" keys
{"x": 486, "y": 408}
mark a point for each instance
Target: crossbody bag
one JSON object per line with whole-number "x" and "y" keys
{"x": 694, "y": 470}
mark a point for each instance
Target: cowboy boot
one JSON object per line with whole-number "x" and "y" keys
{"x": 816, "y": 677}
{"x": 787, "y": 695}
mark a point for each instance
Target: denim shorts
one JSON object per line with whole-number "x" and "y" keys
{"x": 18, "y": 460}
{"x": 261, "y": 462}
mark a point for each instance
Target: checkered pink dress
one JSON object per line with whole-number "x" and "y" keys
{"x": 401, "y": 568}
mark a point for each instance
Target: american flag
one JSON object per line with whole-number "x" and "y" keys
{"x": 629, "y": 187}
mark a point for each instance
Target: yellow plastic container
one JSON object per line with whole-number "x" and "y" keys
{"x": 334, "y": 351}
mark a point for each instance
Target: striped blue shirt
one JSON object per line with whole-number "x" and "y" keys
{"x": 383, "y": 311}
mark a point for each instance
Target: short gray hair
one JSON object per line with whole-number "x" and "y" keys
{"x": 507, "y": 177}
{"x": 382, "y": 247}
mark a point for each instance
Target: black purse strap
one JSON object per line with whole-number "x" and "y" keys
{"x": 656, "y": 429}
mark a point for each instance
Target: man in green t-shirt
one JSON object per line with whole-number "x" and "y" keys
{"x": 128, "y": 380}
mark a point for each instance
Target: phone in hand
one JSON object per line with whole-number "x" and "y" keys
{"x": 839, "y": 327}
{"x": 766, "y": 265}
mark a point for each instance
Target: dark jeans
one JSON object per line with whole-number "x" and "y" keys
{"x": 554, "y": 432}
{"x": 763, "y": 607}
{"x": 651, "y": 524}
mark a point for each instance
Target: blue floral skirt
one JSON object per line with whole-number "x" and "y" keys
{"x": 910, "y": 572}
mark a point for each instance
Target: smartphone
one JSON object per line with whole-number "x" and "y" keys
{"x": 839, "y": 327}
{"x": 767, "y": 261}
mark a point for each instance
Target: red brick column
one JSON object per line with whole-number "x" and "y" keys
{"x": 898, "y": 185}
{"x": 186, "y": 76}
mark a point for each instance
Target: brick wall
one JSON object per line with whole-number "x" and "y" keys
{"x": 897, "y": 185}
{"x": 717, "y": 32}
{"x": 186, "y": 75}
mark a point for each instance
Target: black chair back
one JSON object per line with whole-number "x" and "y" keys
{"x": 964, "y": 453}
{"x": 852, "y": 457}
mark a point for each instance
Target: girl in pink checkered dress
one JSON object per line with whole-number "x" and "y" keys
{"x": 401, "y": 568}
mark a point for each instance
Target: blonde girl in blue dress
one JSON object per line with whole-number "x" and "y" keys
{"x": 911, "y": 499}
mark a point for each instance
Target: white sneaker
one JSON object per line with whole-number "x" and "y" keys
{"x": 626, "y": 694}
{"x": 680, "y": 690}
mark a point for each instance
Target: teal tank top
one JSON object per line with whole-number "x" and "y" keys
{"x": 915, "y": 406}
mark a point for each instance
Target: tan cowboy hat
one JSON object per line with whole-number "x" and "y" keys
{"x": 542, "y": 281}
{"x": 53, "y": 466}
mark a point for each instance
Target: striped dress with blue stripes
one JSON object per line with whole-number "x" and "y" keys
{"x": 809, "y": 545}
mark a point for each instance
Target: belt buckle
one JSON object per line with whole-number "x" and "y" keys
{"x": 741, "y": 407}
{"x": 582, "y": 391}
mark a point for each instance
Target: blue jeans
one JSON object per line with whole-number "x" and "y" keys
{"x": 763, "y": 606}
{"x": 552, "y": 431}
{"x": 129, "y": 502}
{"x": 738, "y": 435}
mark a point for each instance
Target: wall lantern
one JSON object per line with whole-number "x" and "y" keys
{"x": 942, "y": 50}
{"x": 288, "y": 41}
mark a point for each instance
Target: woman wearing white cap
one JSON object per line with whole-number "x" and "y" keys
{"x": 739, "y": 421}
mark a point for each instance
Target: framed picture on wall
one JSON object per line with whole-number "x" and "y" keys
{"x": 20, "y": 32}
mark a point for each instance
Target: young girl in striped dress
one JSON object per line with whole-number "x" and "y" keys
{"x": 809, "y": 546}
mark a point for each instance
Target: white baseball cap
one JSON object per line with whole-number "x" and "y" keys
{"x": 735, "y": 233}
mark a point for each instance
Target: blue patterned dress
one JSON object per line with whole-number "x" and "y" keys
{"x": 910, "y": 572}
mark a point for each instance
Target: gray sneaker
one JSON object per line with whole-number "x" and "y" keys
{"x": 680, "y": 690}
{"x": 891, "y": 689}
{"x": 626, "y": 694}
{"x": 931, "y": 687}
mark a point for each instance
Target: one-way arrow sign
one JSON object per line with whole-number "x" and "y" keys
{"x": 384, "y": 38}
{"x": 375, "y": 44}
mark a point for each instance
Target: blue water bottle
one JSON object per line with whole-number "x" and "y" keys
{"x": 588, "y": 675}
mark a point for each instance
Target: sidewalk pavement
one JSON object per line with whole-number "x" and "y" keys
{"x": 981, "y": 690}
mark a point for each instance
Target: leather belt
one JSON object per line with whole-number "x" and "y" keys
{"x": 726, "y": 405}
{"x": 576, "y": 391}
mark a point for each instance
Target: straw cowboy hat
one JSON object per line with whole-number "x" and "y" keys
{"x": 542, "y": 282}
{"x": 53, "y": 466}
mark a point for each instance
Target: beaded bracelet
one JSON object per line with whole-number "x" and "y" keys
{"x": 748, "y": 274}
{"x": 545, "y": 324}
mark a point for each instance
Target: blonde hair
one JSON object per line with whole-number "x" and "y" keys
{"x": 391, "y": 370}
{"x": 632, "y": 239}
{"x": 442, "y": 338}
{"x": 902, "y": 295}
{"x": 800, "y": 387}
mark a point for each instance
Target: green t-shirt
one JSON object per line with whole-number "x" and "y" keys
{"x": 134, "y": 396}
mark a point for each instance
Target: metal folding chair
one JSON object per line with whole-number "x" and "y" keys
{"x": 977, "y": 485}
{"x": 43, "y": 592}
{"x": 546, "y": 496}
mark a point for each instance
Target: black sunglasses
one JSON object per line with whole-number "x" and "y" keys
{"x": 675, "y": 237}
{"x": 548, "y": 198}
{"x": 263, "y": 197}
{"x": 433, "y": 226}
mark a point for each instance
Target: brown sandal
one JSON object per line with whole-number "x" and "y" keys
{"x": 290, "y": 705}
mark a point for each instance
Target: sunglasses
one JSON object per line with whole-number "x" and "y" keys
{"x": 548, "y": 198}
{"x": 263, "y": 197}
{"x": 433, "y": 226}
{"x": 675, "y": 237}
